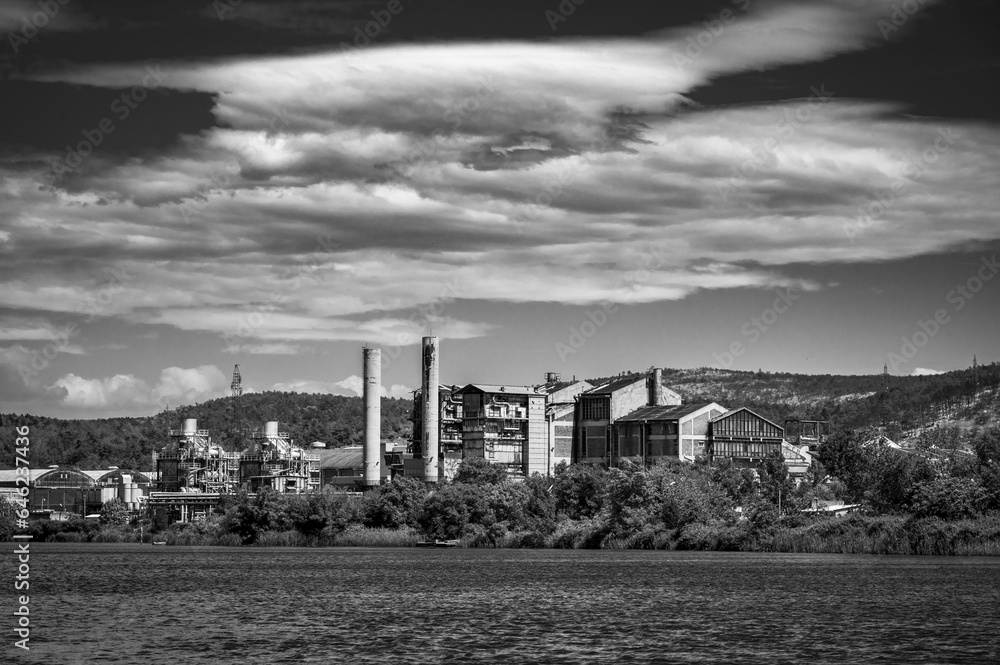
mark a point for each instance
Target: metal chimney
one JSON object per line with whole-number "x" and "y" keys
{"x": 429, "y": 386}
{"x": 373, "y": 417}
{"x": 656, "y": 387}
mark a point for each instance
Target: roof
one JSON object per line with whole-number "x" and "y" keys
{"x": 492, "y": 388}
{"x": 753, "y": 413}
{"x": 10, "y": 475}
{"x": 342, "y": 458}
{"x": 665, "y": 412}
{"x": 617, "y": 384}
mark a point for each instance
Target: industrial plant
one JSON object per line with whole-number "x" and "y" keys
{"x": 526, "y": 429}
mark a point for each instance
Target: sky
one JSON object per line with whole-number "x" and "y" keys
{"x": 582, "y": 188}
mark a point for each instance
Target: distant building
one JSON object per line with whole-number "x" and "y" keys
{"x": 343, "y": 468}
{"x": 653, "y": 434}
{"x": 68, "y": 489}
{"x": 560, "y": 405}
{"x": 744, "y": 437}
{"x": 449, "y": 431}
{"x": 600, "y": 407}
{"x": 506, "y": 425}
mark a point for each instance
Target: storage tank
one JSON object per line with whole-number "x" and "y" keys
{"x": 190, "y": 426}
{"x": 271, "y": 429}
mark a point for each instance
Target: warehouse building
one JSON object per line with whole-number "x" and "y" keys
{"x": 599, "y": 408}
{"x": 68, "y": 489}
{"x": 560, "y": 407}
{"x": 653, "y": 434}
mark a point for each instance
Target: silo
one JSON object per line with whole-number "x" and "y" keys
{"x": 373, "y": 417}
{"x": 429, "y": 386}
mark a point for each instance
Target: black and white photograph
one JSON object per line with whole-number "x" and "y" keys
{"x": 499, "y": 331}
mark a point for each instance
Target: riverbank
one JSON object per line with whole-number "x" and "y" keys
{"x": 853, "y": 534}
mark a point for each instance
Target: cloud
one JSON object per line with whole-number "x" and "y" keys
{"x": 354, "y": 197}
{"x": 352, "y": 385}
{"x": 923, "y": 371}
{"x": 126, "y": 393}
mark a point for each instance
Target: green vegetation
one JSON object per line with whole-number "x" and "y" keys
{"x": 129, "y": 442}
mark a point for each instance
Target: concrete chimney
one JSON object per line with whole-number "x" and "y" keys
{"x": 429, "y": 386}
{"x": 373, "y": 417}
{"x": 656, "y": 387}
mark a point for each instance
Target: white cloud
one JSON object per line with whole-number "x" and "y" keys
{"x": 923, "y": 371}
{"x": 129, "y": 394}
{"x": 333, "y": 184}
{"x": 352, "y": 385}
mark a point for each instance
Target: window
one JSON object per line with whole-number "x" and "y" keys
{"x": 595, "y": 408}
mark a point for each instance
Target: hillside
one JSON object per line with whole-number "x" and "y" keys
{"x": 943, "y": 409}
{"x": 962, "y": 399}
{"x": 128, "y": 442}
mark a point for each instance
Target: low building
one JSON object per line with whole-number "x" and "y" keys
{"x": 72, "y": 490}
{"x": 653, "y": 434}
{"x": 600, "y": 407}
{"x": 744, "y": 437}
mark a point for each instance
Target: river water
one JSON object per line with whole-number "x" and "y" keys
{"x": 94, "y": 603}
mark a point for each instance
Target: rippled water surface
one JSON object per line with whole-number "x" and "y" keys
{"x": 144, "y": 604}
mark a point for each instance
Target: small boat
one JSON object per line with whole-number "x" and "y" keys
{"x": 159, "y": 542}
{"x": 438, "y": 543}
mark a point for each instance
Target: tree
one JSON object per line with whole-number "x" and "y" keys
{"x": 394, "y": 505}
{"x": 480, "y": 471}
{"x": 579, "y": 490}
{"x": 448, "y": 511}
{"x": 8, "y": 517}
{"x": 115, "y": 513}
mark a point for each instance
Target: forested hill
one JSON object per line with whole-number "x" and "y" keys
{"x": 963, "y": 398}
{"x": 128, "y": 442}
{"x": 912, "y": 407}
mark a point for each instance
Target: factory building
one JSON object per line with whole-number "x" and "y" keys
{"x": 449, "y": 429}
{"x": 343, "y": 468}
{"x": 744, "y": 437}
{"x": 653, "y": 434}
{"x": 506, "y": 425}
{"x": 560, "y": 405}
{"x": 600, "y": 407}
{"x": 63, "y": 490}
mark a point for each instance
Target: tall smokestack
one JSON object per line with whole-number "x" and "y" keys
{"x": 656, "y": 387}
{"x": 429, "y": 386}
{"x": 373, "y": 417}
